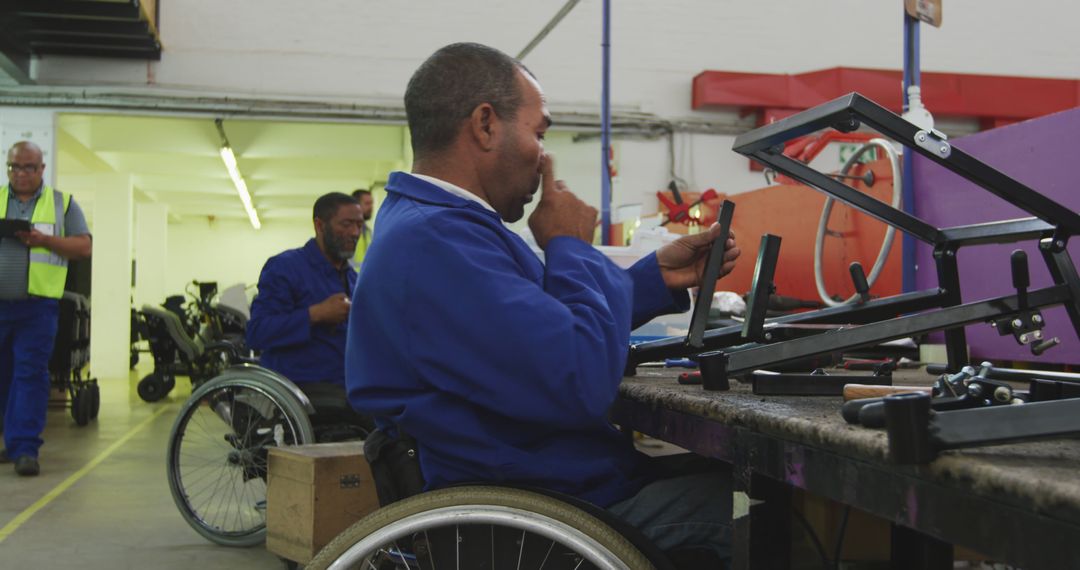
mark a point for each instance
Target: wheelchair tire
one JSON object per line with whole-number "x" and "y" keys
{"x": 94, "y": 391}
{"x": 485, "y": 527}
{"x": 217, "y": 455}
{"x": 80, "y": 407}
{"x": 152, "y": 387}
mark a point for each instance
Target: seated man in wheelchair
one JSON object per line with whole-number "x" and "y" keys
{"x": 298, "y": 319}
{"x": 500, "y": 366}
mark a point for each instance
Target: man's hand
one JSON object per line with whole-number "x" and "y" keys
{"x": 33, "y": 238}
{"x": 69, "y": 247}
{"x": 332, "y": 311}
{"x": 559, "y": 212}
{"x": 682, "y": 262}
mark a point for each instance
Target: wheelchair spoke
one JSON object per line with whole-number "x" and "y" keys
{"x": 547, "y": 554}
{"x": 430, "y": 556}
{"x": 521, "y": 549}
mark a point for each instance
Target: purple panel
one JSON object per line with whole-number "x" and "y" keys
{"x": 1043, "y": 154}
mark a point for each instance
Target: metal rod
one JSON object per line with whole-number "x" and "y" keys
{"x": 725, "y": 337}
{"x": 762, "y": 356}
{"x": 907, "y": 183}
{"x": 543, "y": 33}
{"x": 864, "y": 202}
{"x": 605, "y": 130}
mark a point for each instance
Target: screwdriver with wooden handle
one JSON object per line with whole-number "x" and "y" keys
{"x": 865, "y": 404}
{"x": 860, "y": 391}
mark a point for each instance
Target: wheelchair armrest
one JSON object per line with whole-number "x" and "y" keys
{"x": 228, "y": 348}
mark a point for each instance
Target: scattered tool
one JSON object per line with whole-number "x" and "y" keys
{"x": 690, "y": 377}
{"x": 963, "y": 390}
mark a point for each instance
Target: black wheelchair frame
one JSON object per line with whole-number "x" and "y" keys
{"x": 71, "y": 354}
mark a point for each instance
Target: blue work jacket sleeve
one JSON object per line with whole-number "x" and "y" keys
{"x": 278, "y": 317}
{"x": 485, "y": 331}
{"x": 651, "y": 297}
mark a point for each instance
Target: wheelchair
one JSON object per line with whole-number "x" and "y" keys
{"x": 71, "y": 353}
{"x": 176, "y": 352}
{"x": 482, "y": 527}
{"x": 220, "y": 442}
{"x": 193, "y": 340}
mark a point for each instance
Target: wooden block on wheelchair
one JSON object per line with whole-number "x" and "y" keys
{"x": 313, "y": 493}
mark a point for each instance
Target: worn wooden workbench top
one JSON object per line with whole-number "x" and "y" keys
{"x": 1038, "y": 475}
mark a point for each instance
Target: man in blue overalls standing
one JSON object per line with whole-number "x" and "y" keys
{"x": 34, "y": 269}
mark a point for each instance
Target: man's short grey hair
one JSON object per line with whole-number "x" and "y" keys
{"x": 447, "y": 87}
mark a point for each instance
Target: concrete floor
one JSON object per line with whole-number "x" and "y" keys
{"x": 102, "y": 501}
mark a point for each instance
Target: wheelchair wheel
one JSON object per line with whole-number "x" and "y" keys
{"x": 95, "y": 399}
{"x": 217, "y": 456}
{"x": 152, "y": 387}
{"x": 480, "y": 527}
{"x": 80, "y": 406}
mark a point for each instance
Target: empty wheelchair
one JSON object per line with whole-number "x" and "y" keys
{"x": 177, "y": 353}
{"x": 220, "y": 441}
{"x": 479, "y": 527}
{"x": 71, "y": 354}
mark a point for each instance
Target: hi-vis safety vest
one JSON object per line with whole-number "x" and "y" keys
{"x": 48, "y": 270}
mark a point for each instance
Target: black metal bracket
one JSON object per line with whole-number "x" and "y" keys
{"x": 757, "y": 303}
{"x": 917, "y": 434}
{"x": 695, "y": 338}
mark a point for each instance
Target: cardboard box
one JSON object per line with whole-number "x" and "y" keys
{"x": 313, "y": 493}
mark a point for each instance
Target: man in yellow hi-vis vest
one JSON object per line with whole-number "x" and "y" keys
{"x": 33, "y": 269}
{"x": 367, "y": 205}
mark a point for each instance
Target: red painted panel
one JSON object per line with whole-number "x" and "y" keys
{"x": 990, "y": 97}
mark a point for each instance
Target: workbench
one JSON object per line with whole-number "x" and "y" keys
{"x": 1016, "y": 503}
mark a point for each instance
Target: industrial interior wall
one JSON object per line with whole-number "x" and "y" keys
{"x": 348, "y": 51}
{"x": 227, "y": 251}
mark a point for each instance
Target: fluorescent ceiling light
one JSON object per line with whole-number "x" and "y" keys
{"x": 229, "y": 159}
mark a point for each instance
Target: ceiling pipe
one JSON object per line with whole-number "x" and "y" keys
{"x": 625, "y": 122}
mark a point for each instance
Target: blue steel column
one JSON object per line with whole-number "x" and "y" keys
{"x": 911, "y": 77}
{"x": 605, "y": 131}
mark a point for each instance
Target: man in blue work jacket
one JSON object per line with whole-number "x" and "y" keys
{"x": 502, "y": 367}
{"x": 33, "y": 269}
{"x": 298, "y": 317}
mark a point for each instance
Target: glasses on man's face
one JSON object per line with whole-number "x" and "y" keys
{"x": 27, "y": 168}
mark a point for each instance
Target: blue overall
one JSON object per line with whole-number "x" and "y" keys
{"x": 502, "y": 368}
{"x": 27, "y": 332}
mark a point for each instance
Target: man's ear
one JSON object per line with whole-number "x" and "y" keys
{"x": 319, "y": 228}
{"x": 484, "y": 125}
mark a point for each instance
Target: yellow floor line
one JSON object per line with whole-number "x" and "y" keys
{"x": 56, "y": 491}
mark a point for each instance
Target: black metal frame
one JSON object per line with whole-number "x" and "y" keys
{"x": 916, "y": 433}
{"x": 695, "y": 338}
{"x": 879, "y": 319}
